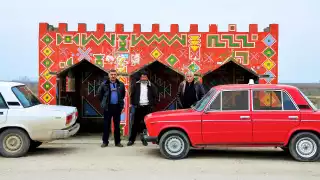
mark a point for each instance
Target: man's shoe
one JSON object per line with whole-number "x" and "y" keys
{"x": 119, "y": 145}
{"x": 145, "y": 143}
{"x": 130, "y": 143}
{"x": 104, "y": 145}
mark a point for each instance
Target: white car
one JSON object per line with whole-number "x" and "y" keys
{"x": 25, "y": 123}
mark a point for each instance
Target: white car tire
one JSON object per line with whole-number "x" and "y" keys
{"x": 174, "y": 144}
{"x": 14, "y": 142}
{"x": 305, "y": 146}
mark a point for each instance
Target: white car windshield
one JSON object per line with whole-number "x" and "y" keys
{"x": 25, "y": 96}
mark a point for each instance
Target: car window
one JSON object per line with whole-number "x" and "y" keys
{"x": 199, "y": 105}
{"x": 3, "y": 104}
{"x": 287, "y": 103}
{"x": 216, "y": 103}
{"x": 267, "y": 100}
{"x": 25, "y": 96}
{"x": 235, "y": 100}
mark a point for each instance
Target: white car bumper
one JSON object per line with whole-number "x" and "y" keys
{"x": 65, "y": 133}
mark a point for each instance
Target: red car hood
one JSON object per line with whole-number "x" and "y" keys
{"x": 170, "y": 113}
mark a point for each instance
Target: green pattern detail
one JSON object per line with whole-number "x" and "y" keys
{"x": 76, "y": 38}
{"x": 59, "y": 39}
{"x": 99, "y": 59}
{"x": 123, "y": 42}
{"x": 47, "y": 39}
{"x": 47, "y": 62}
{"x": 211, "y": 44}
{"x": 86, "y": 39}
{"x": 136, "y": 39}
{"x": 244, "y": 39}
{"x": 68, "y": 39}
{"x": 70, "y": 62}
{"x": 245, "y": 56}
{"x": 230, "y": 40}
{"x": 90, "y": 87}
{"x": 193, "y": 67}
{"x": 214, "y": 41}
{"x": 268, "y": 52}
{"x": 172, "y": 60}
{"x": 47, "y": 86}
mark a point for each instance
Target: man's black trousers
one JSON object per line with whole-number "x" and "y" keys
{"x": 114, "y": 112}
{"x": 138, "y": 122}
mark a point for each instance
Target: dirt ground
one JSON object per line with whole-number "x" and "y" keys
{"x": 84, "y": 159}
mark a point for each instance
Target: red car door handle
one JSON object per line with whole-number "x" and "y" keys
{"x": 293, "y": 117}
{"x": 244, "y": 117}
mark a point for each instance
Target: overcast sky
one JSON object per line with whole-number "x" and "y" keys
{"x": 299, "y": 44}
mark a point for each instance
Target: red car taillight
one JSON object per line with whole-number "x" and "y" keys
{"x": 68, "y": 119}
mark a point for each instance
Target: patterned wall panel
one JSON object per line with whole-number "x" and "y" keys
{"x": 199, "y": 52}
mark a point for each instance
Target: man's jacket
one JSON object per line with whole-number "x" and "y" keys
{"x": 135, "y": 93}
{"x": 198, "y": 88}
{"x": 104, "y": 93}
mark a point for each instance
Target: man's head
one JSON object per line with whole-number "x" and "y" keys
{"x": 113, "y": 75}
{"x": 189, "y": 76}
{"x": 144, "y": 76}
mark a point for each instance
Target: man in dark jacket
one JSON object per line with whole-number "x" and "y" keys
{"x": 143, "y": 98}
{"x": 111, "y": 93}
{"x": 189, "y": 91}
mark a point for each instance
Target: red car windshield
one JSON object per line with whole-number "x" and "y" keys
{"x": 199, "y": 106}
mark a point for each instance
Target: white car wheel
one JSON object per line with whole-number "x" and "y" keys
{"x": 14, "y": 143}
{"x": 174, "y": 144}
{"x": 305, "y": 146}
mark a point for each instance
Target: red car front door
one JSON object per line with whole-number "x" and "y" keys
{"x": 274, "y": 115}
{"x": 228, "y": 119}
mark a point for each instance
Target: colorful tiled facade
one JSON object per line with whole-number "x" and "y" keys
{"x": 200, "y": 52}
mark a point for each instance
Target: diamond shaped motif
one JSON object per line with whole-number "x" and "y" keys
{"x": 47, "y": 86}
{"x": 268, "y": 52}
{"x": 47, "y": 51}
{"x": 47, "y": 39}
{"x": 46, "y": 97}
{"x": 68, "y": 39}
{"x": 269, "y": 40}
{"x": 156, "y": 53}
{"x": 268, "y": 64}
{"x": 47, "y": 62}
{"x": 46, "y": 74}
{"x": 193, "y": 67}
{"x": 270, "y": 78}
{"x": 172, "y": 60}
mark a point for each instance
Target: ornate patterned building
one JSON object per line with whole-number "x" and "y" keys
{"x": 73, "y": 63}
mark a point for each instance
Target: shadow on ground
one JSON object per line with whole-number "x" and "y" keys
{"x": 45, "y": 151}
{"x": 237, "y": 154}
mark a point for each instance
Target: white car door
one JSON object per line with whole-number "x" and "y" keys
{"x": 3, "y": 110}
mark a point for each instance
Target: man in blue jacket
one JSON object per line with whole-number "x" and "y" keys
{"x": 112, "y": 93}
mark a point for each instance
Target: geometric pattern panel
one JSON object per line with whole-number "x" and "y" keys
{"x": 89, "y": 110}
{"x": 128, "y": 52}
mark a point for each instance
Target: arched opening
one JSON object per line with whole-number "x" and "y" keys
{"x": 229, "y": 73}
{"x": 77, "y": 86}
{"x": 166, "y": 80}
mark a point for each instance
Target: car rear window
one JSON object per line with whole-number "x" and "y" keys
{"x": 3, "y": 104}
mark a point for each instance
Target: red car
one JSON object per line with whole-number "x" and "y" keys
{"x": 240, "y": 115}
